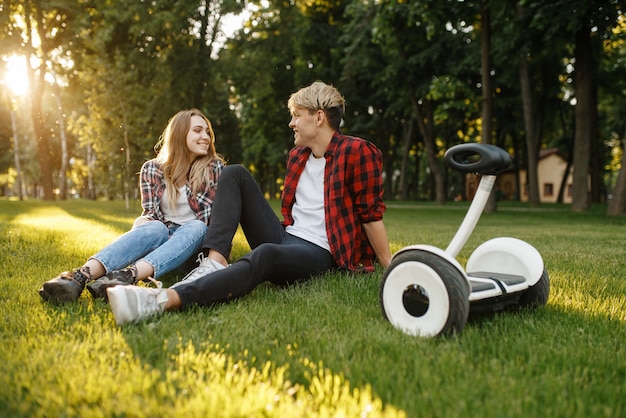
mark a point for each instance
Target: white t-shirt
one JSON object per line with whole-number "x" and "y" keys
{"x": 181, "y": 213}
{"x": 309, "y": 220}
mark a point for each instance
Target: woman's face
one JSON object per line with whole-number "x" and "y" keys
{"x": 198, "y": 139}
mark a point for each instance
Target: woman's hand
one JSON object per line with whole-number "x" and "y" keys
{"x": 140, "y": 221}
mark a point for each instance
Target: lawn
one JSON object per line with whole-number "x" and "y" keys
{"x": 319, "y": 349}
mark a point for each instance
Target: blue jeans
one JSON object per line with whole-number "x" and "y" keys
{"x": 277, "y": 256}
{"x": 163, "y": 247}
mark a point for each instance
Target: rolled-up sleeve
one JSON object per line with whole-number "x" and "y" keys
{"x": 150, "y": 181}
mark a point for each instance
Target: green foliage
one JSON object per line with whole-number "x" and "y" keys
{"x": 320, "y": 348}
{"x": 284, "y": 49}
{"x": 410, "y": 72}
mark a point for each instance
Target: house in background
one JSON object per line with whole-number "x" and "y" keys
{"x": 505, "y": 186}
{"x": 550, "y": 170}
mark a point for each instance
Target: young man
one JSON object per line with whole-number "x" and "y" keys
{"x": 332, "y": 208}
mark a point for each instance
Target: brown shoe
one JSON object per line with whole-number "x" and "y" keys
{"x": 98, "y": 288}
{"x": 66, "y": 287}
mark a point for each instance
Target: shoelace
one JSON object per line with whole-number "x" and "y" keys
{"x": 202, "y": 260}
{"x": 148, "y": 301}
{"x": 157, "y": 283}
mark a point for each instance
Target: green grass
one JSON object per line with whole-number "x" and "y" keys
{"x": 317, "y": 349}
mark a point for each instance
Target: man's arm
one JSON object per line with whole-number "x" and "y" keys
{"x": 377, "y": 236}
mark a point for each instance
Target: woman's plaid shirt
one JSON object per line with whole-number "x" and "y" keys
{"x": 152, "y": 184}
{"x": 353, "y": 195}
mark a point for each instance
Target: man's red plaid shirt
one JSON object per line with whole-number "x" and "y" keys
{"x": 353, "y": 195}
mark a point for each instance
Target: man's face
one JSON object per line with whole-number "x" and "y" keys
{"x": 305, "y": 125}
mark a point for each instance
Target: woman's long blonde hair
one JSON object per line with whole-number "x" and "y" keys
{"x": 177, "y": 163}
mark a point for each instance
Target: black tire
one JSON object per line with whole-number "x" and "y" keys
{"x": 537, "y": 294}
{"x": 423, "y": 294}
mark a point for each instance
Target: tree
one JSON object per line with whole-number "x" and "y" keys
{"x": 411, "y": 73}
{"x": 406, "y": 63}
{"x": 142, "y": 63}
{"x": 265, "y": 44}
{"x": 613, "y": 109}
{"x": 532, "y": 118}
{"x": 280, "y": 49}
{"x": 372, "y": 114}
{"x": 486, "y": 84}
{"x": 591, "y": 21}
{"x": 584, "y": 91}
{"x": 41, "y": 32}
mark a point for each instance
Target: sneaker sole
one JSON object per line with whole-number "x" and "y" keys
{"x": 57, "y": 292}
{"x": 118, "y": 300}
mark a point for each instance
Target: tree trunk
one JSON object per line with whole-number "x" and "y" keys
{"x": 426, "y": 128}
{"x": 126, "y": 173}
{"x": 617, "y": 204}
{"x": 597, "y": 158}
{"x": 533, "y": 139}
{"x": 487, "y": 100}
{"x": 584, "y": 128}
{"x": 63, "y": 135}
{"x": 404, "y": 184}
{"x": 16, "y": 153}
{"x": 37, "y": 85}
{"x": 91, "y": 162}
{"x": 563, "y": 186}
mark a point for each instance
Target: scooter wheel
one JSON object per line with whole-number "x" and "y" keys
{"x": 423, "y": 294}
{"x": 537, "y": 294}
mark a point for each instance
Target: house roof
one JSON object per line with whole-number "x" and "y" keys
{"x": 548, "y": 152}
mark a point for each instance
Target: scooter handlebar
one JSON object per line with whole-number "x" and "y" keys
{"x": 484, "y": 159}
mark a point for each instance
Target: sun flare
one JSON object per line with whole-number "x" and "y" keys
{"x": 15, "y": 76}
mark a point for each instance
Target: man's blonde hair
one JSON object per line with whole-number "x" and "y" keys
{"x": 320, "y": 96}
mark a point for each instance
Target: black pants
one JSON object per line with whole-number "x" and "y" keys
{"x": 276, "y": 256}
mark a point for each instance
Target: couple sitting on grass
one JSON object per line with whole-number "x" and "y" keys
{"x": 332, "y": 210}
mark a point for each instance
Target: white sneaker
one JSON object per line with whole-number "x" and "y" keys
{"x": 207, "y": 266}
{"x": 132, "y": 303}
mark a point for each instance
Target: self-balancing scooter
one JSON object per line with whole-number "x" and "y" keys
{"x": 426, "y": 292}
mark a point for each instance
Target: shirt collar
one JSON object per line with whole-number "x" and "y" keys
{"x": 334, "y": 142}
{"x": 330, "y": 150}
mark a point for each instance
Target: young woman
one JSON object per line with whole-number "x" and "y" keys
{"x": 177, "y": 191}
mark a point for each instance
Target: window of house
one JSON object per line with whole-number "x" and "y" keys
{"x": 548, "y": 189}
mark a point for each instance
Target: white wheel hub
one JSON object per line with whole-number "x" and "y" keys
{"x": 413, "y": 276}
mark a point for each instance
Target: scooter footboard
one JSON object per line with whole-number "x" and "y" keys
{"x": 507, "y": 256}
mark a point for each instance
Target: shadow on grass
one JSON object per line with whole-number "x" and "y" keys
{"x": 340, "y": 326}
{"x": 11, "y": 209}
{"x": 101, "y": 212}
{"x": 109, "y": 214}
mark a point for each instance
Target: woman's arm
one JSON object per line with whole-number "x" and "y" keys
{"x": 140, "y": 221}
{"x": 150, "y": 181}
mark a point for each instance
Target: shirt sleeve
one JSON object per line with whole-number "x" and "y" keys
{"x": 367, "y": 182}
{"x": 149, "y": 182}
